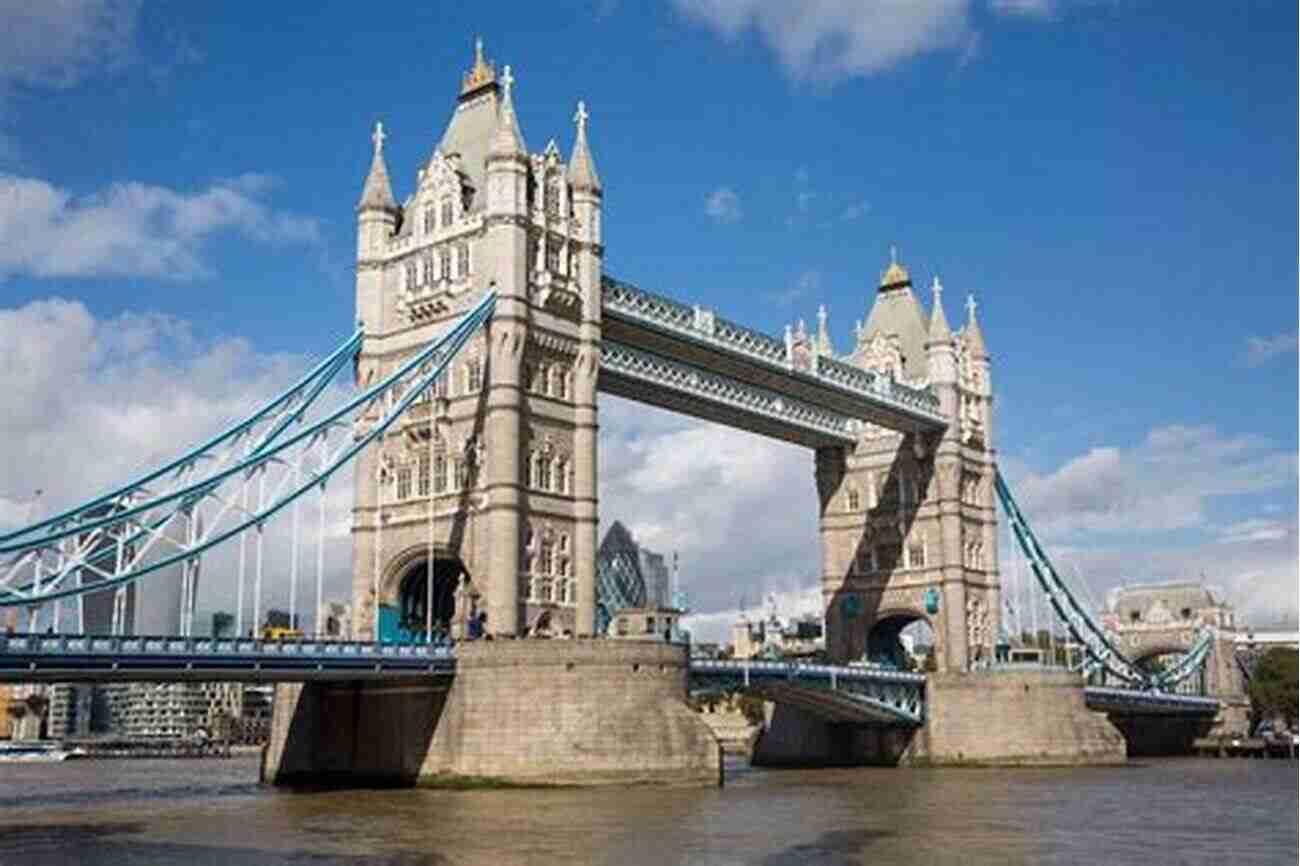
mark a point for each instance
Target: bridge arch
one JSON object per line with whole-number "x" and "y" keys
{"x": 405, "y": 595}
{"x": 885, "y": 638}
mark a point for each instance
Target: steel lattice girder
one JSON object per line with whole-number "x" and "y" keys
{"x": 294, "y": 466}
{"x": 899, "y": 697}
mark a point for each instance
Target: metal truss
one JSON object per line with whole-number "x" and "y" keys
{"x": 896, "y": 696}
{"x": 1102, "y": 654}
{"x": 698, "y": 383}
{"x": 699, "y": 325}
{"x": 59, "y": 658}
{"x": 228, "y": 487}
{"x": 1135, "y": 702}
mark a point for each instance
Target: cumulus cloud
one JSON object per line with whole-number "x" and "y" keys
{"x": 1261, "y": 350}
{"x": 90, "y": 403}
{"x": 56, "y": 43}
{"x": 723, "y": 205}
{"x": 827, "y": 40}
{"x": 134, "y": 229}
{"x": 1164, "y": 483}
{"x": 856, "y": 210}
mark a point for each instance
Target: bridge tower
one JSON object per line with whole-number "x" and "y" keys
{"x": 908, "y": 526}
{"x": 487, "y": 488}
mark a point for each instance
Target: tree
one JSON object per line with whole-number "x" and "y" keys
{"x": 1275, "y": 685}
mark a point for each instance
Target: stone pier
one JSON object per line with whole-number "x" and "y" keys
{"x": 536, "y": 712}
{"x": 1003, "y": 718}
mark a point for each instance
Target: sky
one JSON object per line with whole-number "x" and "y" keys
{"x": 1114, "y": 181}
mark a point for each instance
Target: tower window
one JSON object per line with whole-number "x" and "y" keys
{"x": 447, "y": 214}
{"x": 916, "y": 554}
{"x": 561, "y": 389}
{"x": 444, "y": 263}
{"x": 404, "y": 483}
{"x": 422, "y": 478}
{"x": 854, "y": 503}
{"x": 440, "y": 474}
{"x": 473, "y": 376}
{"x": 462, "y": 260}
{"x": 428, "y": 219}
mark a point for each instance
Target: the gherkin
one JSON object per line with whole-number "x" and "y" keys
{"x": 619, "y": 581}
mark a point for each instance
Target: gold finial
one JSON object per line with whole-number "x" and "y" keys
{"x": 482, "y": 73}
{"x": 895, "y": 274}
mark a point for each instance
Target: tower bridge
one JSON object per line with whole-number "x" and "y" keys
{"x": 488, "y": 327}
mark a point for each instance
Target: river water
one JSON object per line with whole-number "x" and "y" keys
{"x": 193, "y": 812}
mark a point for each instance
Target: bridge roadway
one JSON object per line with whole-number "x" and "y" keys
{"x": 838, "y": 693}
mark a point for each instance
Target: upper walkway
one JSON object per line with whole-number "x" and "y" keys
{"x": 685, "y": 358}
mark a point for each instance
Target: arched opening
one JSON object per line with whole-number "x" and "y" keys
{"x": 420, "y": 605}
{"x": 902, "y": 641}
{"x": 1163, "y": 659}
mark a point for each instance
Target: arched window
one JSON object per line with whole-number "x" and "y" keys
{"x": 440, "y": 473}
{"x": 428, "y": 219}
{"x": 542, "y": 382}
{"x": 447, "y": 213}
{"x": 562, "y": 480}
{"x": 422, "y": 475}
{"x": 410, "y": 275}
{"x": 462, "y": 260}
{"x": 473, "y": 375}
{"x": 548, "y": 557}
{"x": 544, "y": 474}
{"x": 561, "y": 389}
{"x": 444, "y": 263}
{"x": 404, "y": 482}
{"x": 553, "y": 194}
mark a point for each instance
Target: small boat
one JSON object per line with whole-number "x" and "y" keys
{"x": 37, "y": 751}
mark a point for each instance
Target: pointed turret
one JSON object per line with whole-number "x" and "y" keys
{"x": 824, "y": 346}
{"x": 582, "y": 168}
{"x": 896, "y": 313}
{"x": 974, "y": 336}
{"x": 507, "y": 140}
{"x": 939, "y": 330}
{"x": 377, "y": 194}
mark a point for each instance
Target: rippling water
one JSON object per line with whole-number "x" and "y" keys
{"x": 1222, "y": 812}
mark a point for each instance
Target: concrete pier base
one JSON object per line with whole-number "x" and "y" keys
{"x": 795, "y": 738}
{"x": 1015, "y": 718}
{"x": 574, "y": 712}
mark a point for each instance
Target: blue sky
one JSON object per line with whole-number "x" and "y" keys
{"x": 1115, "y": 181}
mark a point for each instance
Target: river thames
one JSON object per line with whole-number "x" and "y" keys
{"x": 1222, "y": 812}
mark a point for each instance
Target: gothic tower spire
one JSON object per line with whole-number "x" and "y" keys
{"x": 974, "y": 336}
{"x": 377, "y": 194}
{"x": 507, "y": 140}
{"x": 582, "y": 168}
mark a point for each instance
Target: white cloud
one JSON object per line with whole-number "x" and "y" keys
{"x": 90, "y": 403}
{"x": 1255, "y": 529}
{"x": 740, "y": 509}
{"x": 56, "y": 43}
{"x": 1165, "y": 483}
{"x": 1261, "y": 350}
{"x": 133, "y": 229}
{"x": 808, "y": 282}
{"x": 828, "y": 40}
{"x": 723, "y": 205}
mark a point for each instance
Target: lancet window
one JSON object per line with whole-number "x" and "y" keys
{"x": 411, "y": 275}
{"x": 444, "y": 263}
{"x": 428, "y": 219}
{"x": 473, "y": 375}
{"x": 422, "y": 474}
{"x": 447, "y": 212}
{"x": 462, "y": 260}
{"x": 403, "y": 482}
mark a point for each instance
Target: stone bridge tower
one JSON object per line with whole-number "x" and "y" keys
{"x": 908, "y": 526}
{"x": 488, "y": 487}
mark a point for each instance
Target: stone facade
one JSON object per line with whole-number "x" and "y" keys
{"x": 1153, "y": 620}
{"x": 523, "y": 712}
{"x": 497, "y": 470}
{"x": 908, "y": 523}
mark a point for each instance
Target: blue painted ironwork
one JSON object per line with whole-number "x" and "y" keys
{"x": 70, "y": 546}
{"x": 1101, "y": 652}
{"x": 1140, "y": 702}
{"x": 677, "y": 376}
{"x": 56, "y": 658}
{"x": 898, "y": 696}
{"x": 622, "y": 300}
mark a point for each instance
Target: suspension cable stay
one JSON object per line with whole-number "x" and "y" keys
{"x": 122, "y": 536}
{"x": 1100, "y": 650}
